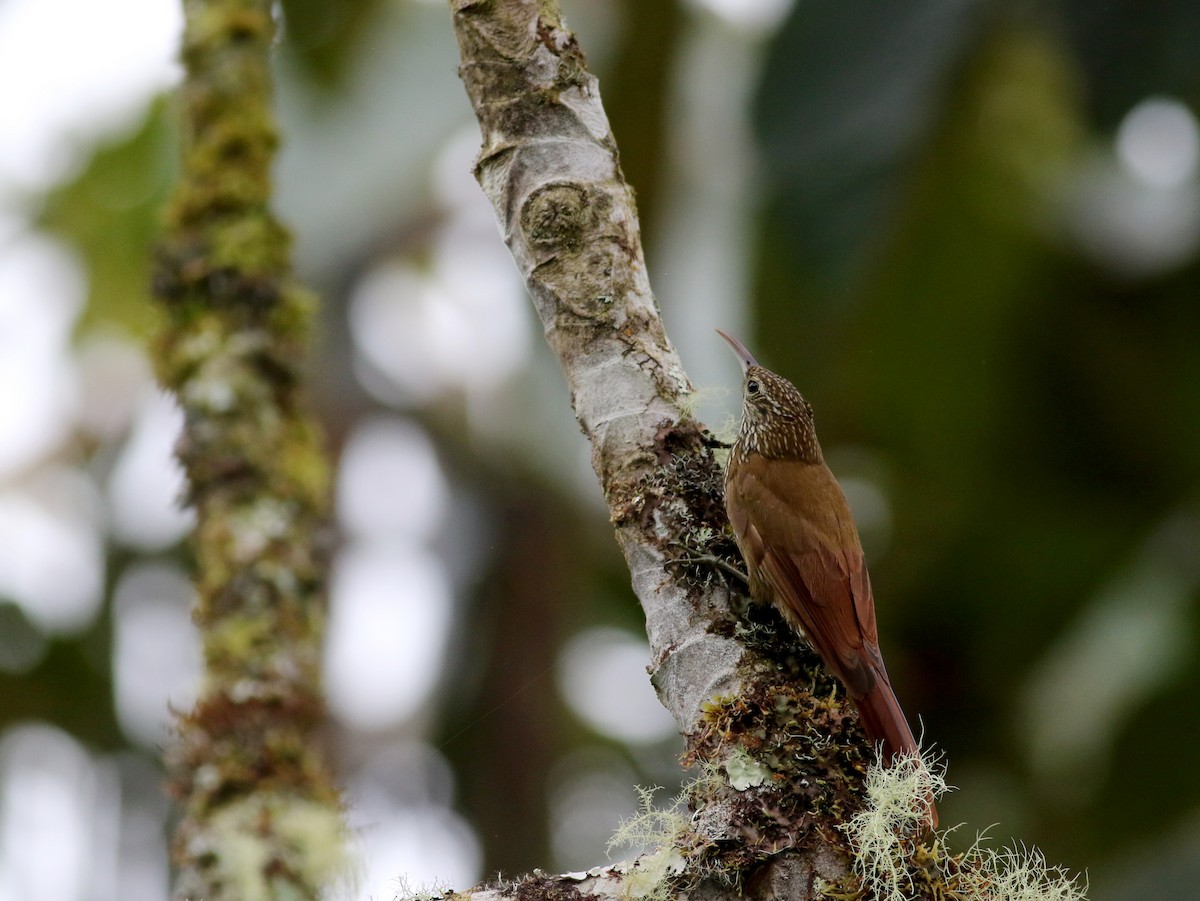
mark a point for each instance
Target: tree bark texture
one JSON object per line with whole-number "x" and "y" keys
{"x": 549, "y": 166}
{"x": 741, "y": 690}
{"x": 261, "y": 818}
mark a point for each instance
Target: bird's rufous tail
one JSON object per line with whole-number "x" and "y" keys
{"x": 884, "y": 721}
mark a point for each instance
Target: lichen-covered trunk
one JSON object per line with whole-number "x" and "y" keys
{"x": 549, "y": 165}
{"x": 260, "y": 816}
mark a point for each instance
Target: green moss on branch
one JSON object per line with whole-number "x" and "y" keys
{"x": 261, "y": 818}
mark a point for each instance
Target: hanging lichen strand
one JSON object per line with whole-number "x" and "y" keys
{"x": 260, "y": 817}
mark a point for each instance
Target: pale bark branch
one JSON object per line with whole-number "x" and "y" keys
{"x": 549, "y": 165}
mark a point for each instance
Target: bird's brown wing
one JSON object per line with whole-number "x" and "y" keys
{"x": 802, "y": 550}
{"x": 803, "y": 553}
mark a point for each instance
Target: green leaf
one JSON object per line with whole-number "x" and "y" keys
{"x": 110, "y": 214}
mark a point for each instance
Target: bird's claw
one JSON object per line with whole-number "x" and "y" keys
{"x": 691, "y": 557}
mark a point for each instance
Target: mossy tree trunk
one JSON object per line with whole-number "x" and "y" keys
{"x": 762, "y": 707}
{"x": 261, "y": 818}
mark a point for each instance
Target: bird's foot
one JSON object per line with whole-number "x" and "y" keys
{"x": 692, "y": 558}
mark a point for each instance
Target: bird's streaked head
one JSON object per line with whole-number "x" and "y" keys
{"x": 777, "y": 422}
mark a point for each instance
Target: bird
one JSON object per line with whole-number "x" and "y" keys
{"x": 803, "y": 555}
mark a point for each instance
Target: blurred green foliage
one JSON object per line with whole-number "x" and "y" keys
{"x": 109, "y": 213}
{"x": 1037, "y": 410}
{"x": 322, "y": 37}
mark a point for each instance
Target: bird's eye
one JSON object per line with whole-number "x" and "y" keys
{"x": 752, "y": 386}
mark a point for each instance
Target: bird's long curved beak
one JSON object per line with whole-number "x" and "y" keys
{"x": 744, "y": 356}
